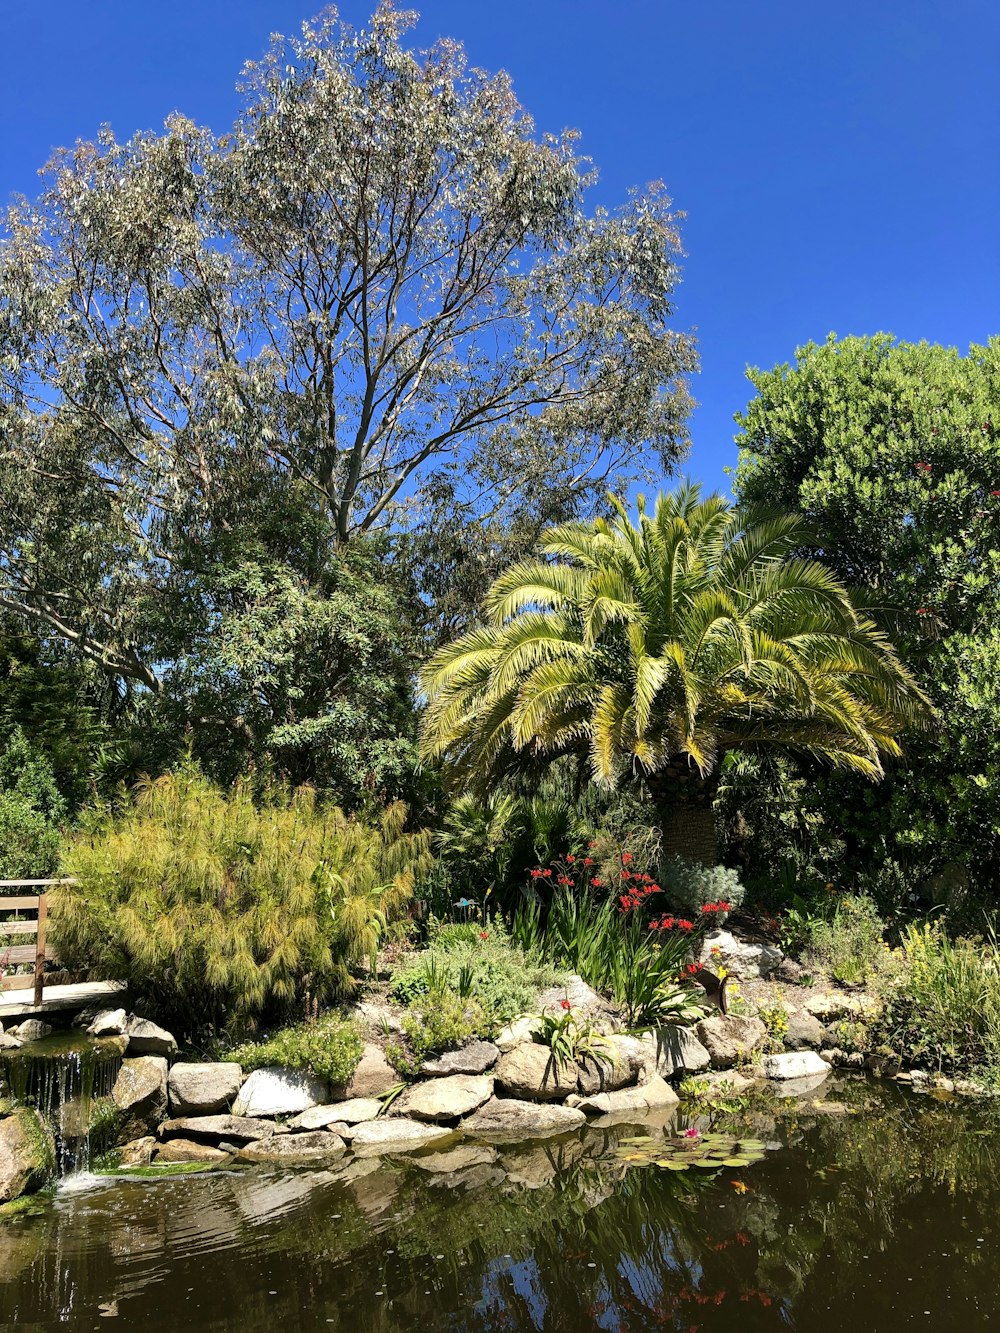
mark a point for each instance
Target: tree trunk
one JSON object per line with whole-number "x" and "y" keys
{"x": 685, "y": 803}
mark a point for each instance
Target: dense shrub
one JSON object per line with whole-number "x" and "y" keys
{"x": 216, "y": 910}
{"x": 329, "y": 1048}
{"x": 478, "y": 962}
{"x": 851, "y": 945}
{"x": 690, "y": 886}
{"x": 31, "y": 810}
{"x": 438, "y": 1021}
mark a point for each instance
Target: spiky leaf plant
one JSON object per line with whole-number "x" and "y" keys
{"x": 217, "y": 910}
{"x": 651, "y": 649}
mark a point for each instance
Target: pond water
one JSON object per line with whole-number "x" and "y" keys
{"x": 872, "y": 1210}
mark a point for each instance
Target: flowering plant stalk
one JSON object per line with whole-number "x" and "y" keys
{"x": 568, "y": 1038}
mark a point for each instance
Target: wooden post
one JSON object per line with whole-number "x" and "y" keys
{"x": 43, "y": 909}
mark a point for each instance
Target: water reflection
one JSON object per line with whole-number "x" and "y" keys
{"x": 874, "y": 1207}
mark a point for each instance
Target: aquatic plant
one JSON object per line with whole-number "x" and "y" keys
{"x": 706, "y": 1152}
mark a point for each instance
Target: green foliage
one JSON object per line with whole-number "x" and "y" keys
{"x": 31, "y": 811}
{"x": 220, "y": 911}
{"x": 892, "y": 452}
{"x": 944, "y": 1008}
{"x": 850, "y": 946}
{"x": 439, "y": 1021}
{"x": 330, "y": 1049}
{"x": 690, "y": 886}
{"x": 654, "y": 648}
{"x": 571, "y": 1040}
{"x": 482, "y": 962}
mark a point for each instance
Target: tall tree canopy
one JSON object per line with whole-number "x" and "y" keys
{"x": 892, "y": 451}
{"x": 379, "y": 293}
{"x": 655, "y": 648}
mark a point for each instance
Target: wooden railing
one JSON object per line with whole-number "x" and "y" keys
{"x": 37, "y": 952}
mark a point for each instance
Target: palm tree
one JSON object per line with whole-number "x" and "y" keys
{"x": 652, "y": 649}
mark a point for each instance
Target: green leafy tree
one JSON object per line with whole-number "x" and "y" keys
{"x": 655, "y": 648}
{"x": 892, "y": 452}
{"x": 31, "y": 812}
{"x": 381, "y": 286}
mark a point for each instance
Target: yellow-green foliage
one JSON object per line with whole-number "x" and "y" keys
{"x": 221, "y": 911}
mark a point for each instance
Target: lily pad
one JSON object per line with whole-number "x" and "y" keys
{"x": 704, "y": 1152}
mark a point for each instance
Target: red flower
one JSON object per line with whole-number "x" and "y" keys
{"x": 725, "y": 907}
{"x": 587, "y": 861}
{"x": 484, "y": 934}
{"x": 685, "y": 925}
{"x": 923, "y": 467}
{"x": 596, "y": 882}
{"x": 565, "y": 1004}
{"x": 570, "y": 858}
{"x": 564, "y": 879}
{"x": 692, "y": 969}
{"x": 627, "y": 858}
{"x": 994, "y": 492}
{"x": 921, "y": 610}
{"x": 547, "y": 874}
{"x": 710, "y": 907}
{"x": 536, "y": 874}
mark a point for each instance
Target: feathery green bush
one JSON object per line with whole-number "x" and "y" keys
{"x": 218, "y": 911}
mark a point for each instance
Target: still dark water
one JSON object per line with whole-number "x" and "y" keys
{"x": 873, "y": 1211}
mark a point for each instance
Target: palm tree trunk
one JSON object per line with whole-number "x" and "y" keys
{"x": 685, "y": 804}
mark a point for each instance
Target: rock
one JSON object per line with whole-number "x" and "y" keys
{"x": 521, "y": 1030}
{"x": 186, "y": 1150}
{"x": 109, "y": 1023}
{"x": 234, "y": 1128}
{"x": 378, "y": 1018}
{"x": 395, "y": 1136}
{"x": 793, "y": 1064}
{"x": 584, "y": 1000}
{"x": 137, "y": 1153}
{"x": 355, "y": 1112}
{"x": 8, "y": 1042}
{"x": 27, "y": 1155}
{"x": 506, "y": 1120}
{"x": 374, "y": 1076}
{"x": 32, "y": 1029}
{"x": 675, "y": 1051}
{"x": 312, "y": 1147}
{"x": 203, "y": 1089}
{"x": 140, "y": 1094}
{"x": 804, "y": 1032}
{"x": 275, "y": 1090}
{"x": 830, "y": 1055}
{"x": 729, "y": 1038}
{"x": 618, "y": 1067}
{"x": 802, "y": 1087}
{"x": 654, "y": 1093}
{"x": 145, "y": 1038}
{"x": 531, "y": 1071}
{"x": 789, "y": 971}
{"x": 726, "y": 1082}
{"x": 742, "y": 959}
{"x": 475, "y": 1058}
{"x": 832, "y": 1005}
{"x": 444, "y": 1098}
{"x": 456, "y": 1159}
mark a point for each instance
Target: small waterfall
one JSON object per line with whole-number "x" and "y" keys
{"x": 61, "y": 1075}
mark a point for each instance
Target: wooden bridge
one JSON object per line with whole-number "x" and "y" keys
{"x": 24, "y": 916}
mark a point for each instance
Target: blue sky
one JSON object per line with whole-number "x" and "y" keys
{"x": 838, "y": 163}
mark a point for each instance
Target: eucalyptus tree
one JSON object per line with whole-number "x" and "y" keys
{"x": 653, "y": 649}
{"x": 381, "y": 286}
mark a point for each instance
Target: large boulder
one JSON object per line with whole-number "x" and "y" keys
{"x": 275, "y": 1090}
{"x": 203, "y": 1089}
{"x": 8, "y": 1042}
{"x": 108, "y": 1023}
{"x": 474, "y": 1058}
{"x": 355, "y": 1112}
{"x": 504, "y": 1120}
{"x": 794, "y": 1065}
{"x": 584, "y": 1001}
{"x": 227, "y": 1128}
{"x": 32, "y": 1029}
{"x": 653, "y": 1094}
{"x": 618, "y": 1065}
{"x": 522, "y": 1029}
{"x": 445, "y": 1098}
{"x": 744, "y": 960}
{"x": 187, "y": 1151}
{"x": 804, "y": 1032}
{"x": 373, "y": 1077}
{"x": 395, "y": 1136}
{"x": 730, "y": 1038}
{"x": 674, "y": 1050}
{"x": 531, "y": 1071}
{"x": 832, "y": 1005}
{"x": 145, "y": 1038}
{"x": 27, "y": 1157}
{"x": 292, "y": 1148}
{"x": 137, "y": 1153}
{"x": 140, "y": 1094}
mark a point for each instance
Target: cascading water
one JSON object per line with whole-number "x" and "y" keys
{"x": 61, "y": 1075}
